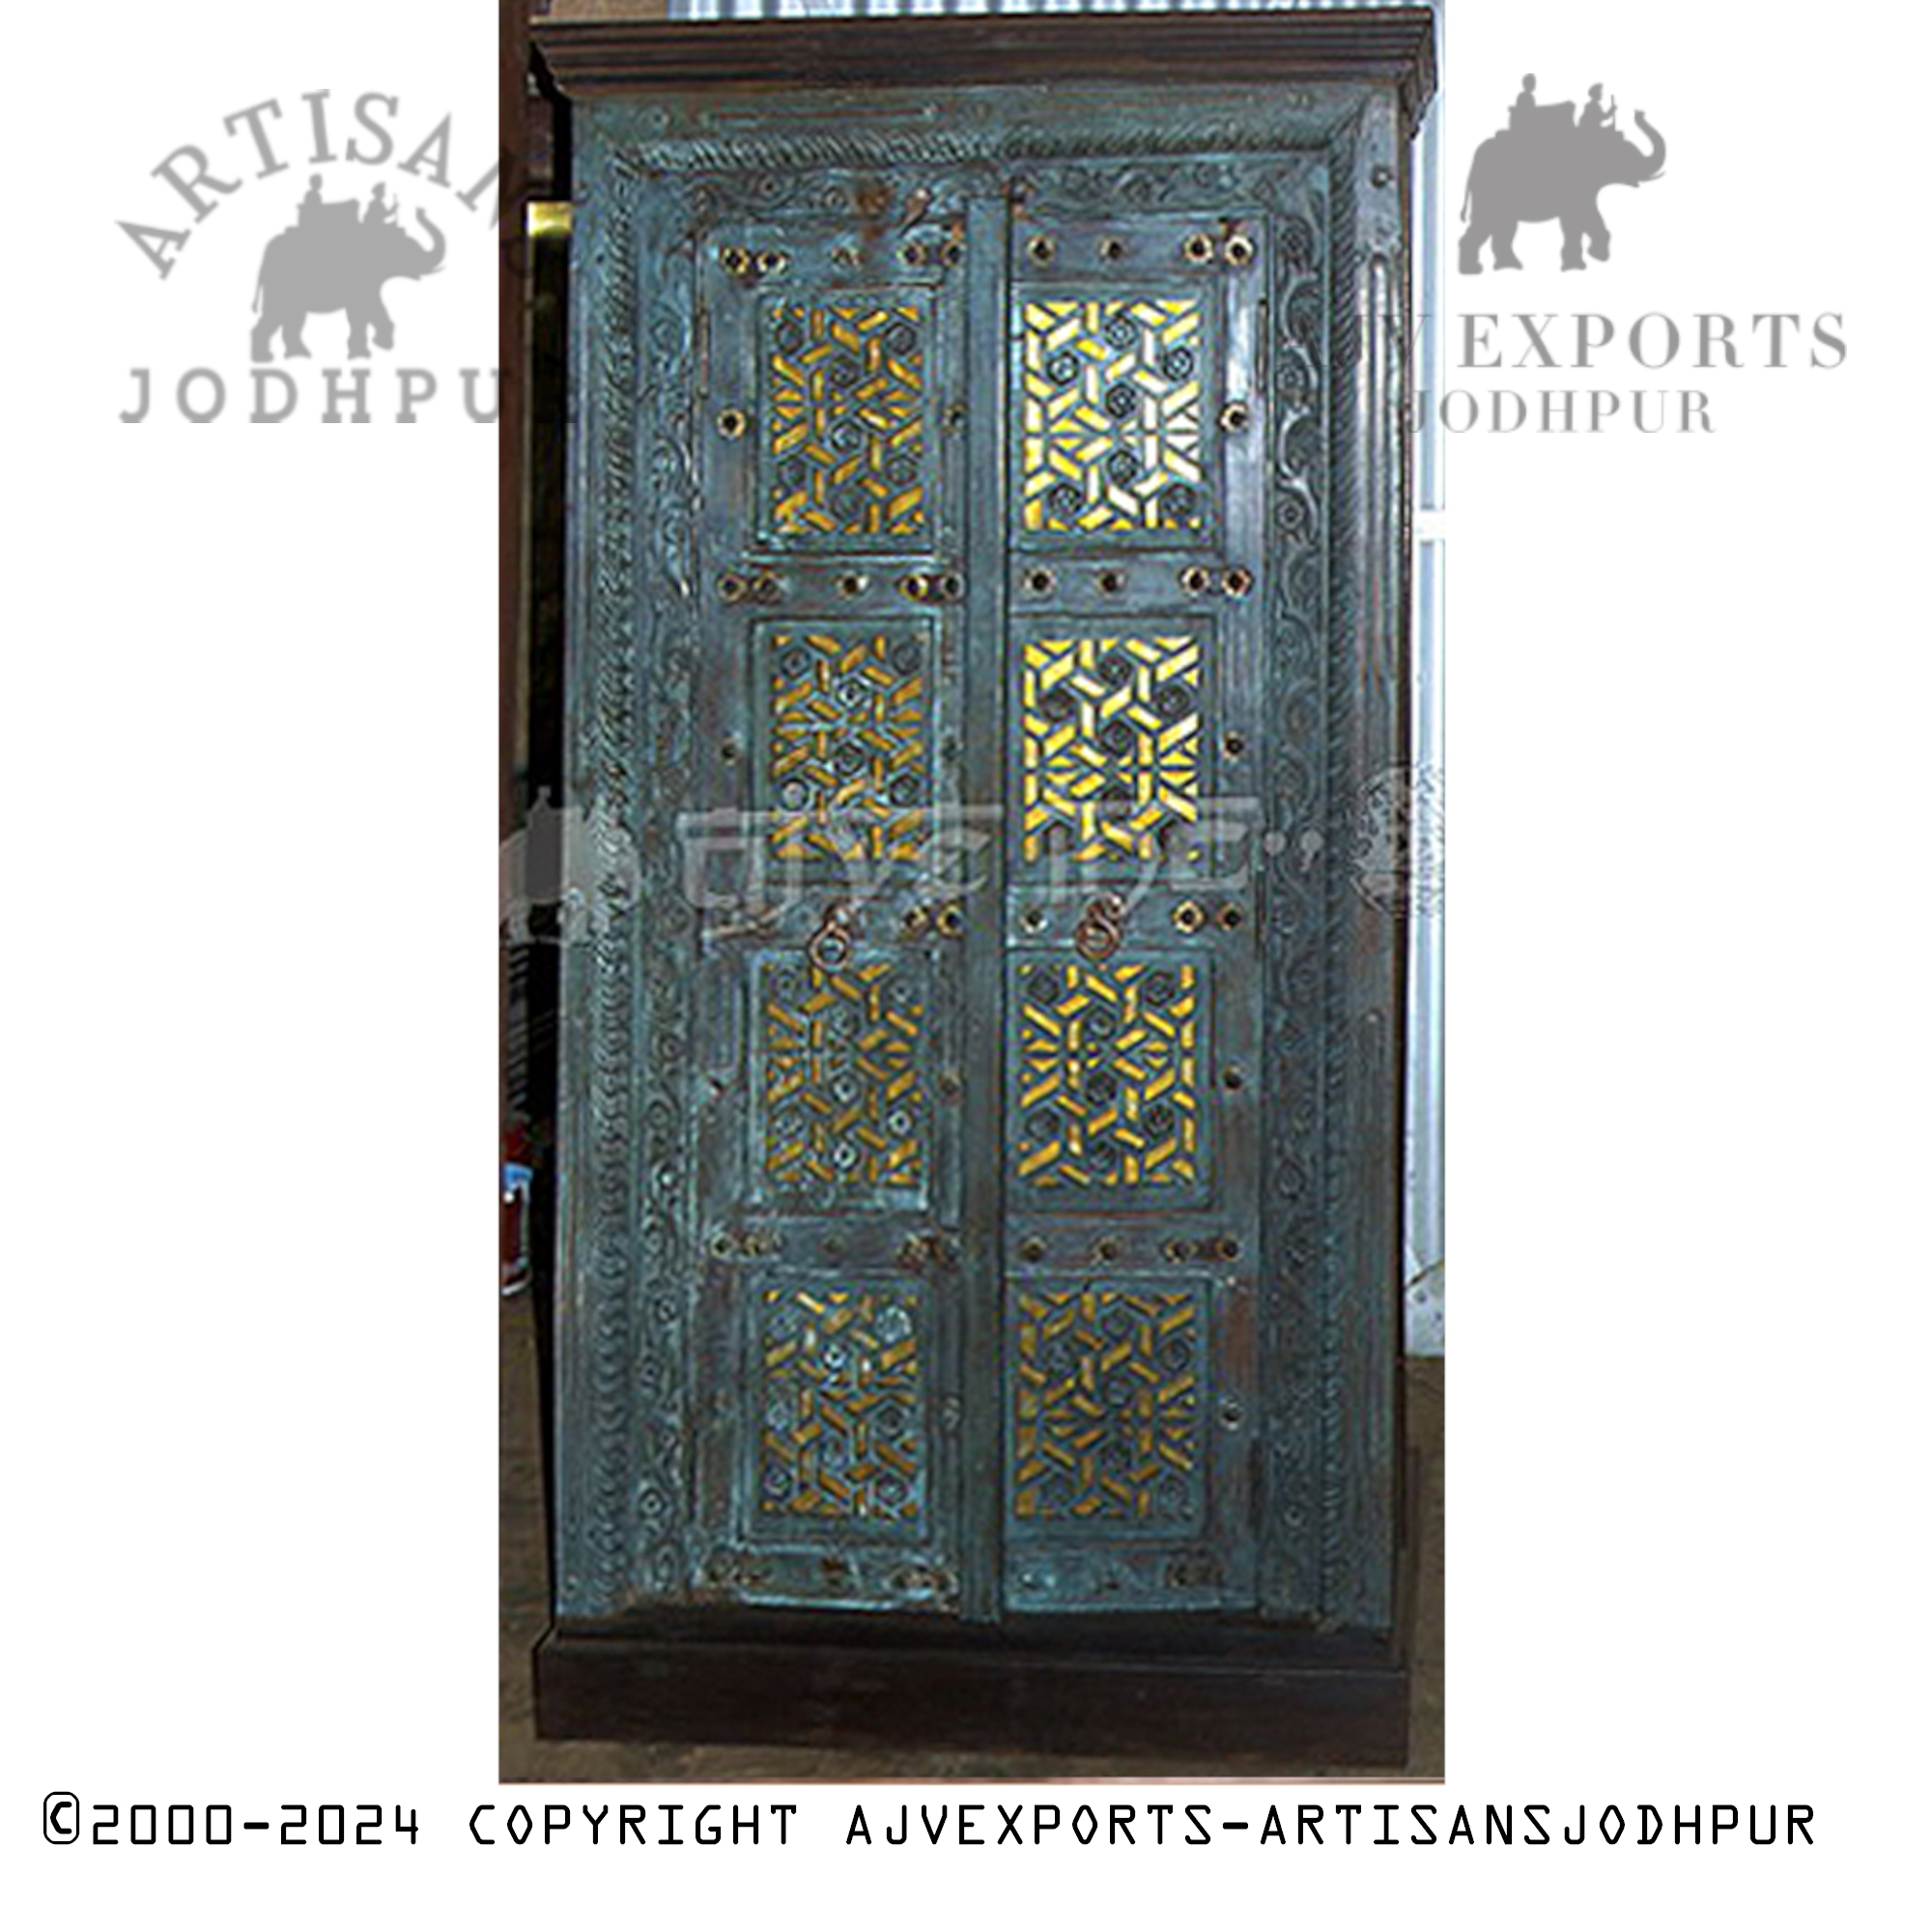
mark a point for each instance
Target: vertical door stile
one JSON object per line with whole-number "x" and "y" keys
{"x": 984, "y": 849}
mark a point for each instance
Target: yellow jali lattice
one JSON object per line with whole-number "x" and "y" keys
{"x": 1106, "y": 1398}
{"x": 841, "y": 1433}
{"x": 1111, "y": 730}
{"x": 849, "y": 752}
{"x": 847, "y": 383}
{"x": 1108, "y": 1075}
{"x": 844, "y": 1104}
{"x": 1111, "y": 415}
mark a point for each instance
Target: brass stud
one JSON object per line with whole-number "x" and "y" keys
{"x": 1112, "y": 581}
{"x": 851, "y": 584}
{"x": 1234, "y": 745}
{"x": 772, "y": 262}
{"x": 1039, "y": 581}
{"x": 951, "y": 587}
{"x": 917, "y": 585}
{"x": 1042, "y": 249}
{"x": 1231, "y": 917}
{"x": 1237, "y": 583}
{"x": 1228, "y": 1248}
{"x": 728, "y": 751}
{"x": 915, "y": 922}
{"x": 1106, "y": 1249}
{"x": 732, "y": 424}
{"x": 1112, "y": 248}
{"x": 1179, "y": 1251}
{"x": 1034, "y": 919}
{"x": 912, "y": 254}
{"x": 1195, "y": 578}
{"x": 1233, "y": 1079}
{"x": 1033, "y": 1249}
{"x": 1189, "y": 917}
{"x": 1199, "y": 248}
{"x": 1235, "y": 417}
{"x": 952, "y": 253}
{"x": 735, "y": 261}
{"x": 767, "y": 589}
{"x": 952, "y": 921}
{"x": 732, "y": 588}
{"x": 1239, "y": 251}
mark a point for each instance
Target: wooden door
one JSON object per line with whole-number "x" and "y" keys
{"x": 979, "y": 1092}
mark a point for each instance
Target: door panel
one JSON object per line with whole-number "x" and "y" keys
{"x": 831, "y": 1011}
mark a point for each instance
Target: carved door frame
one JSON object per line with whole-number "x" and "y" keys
{"x": 1306, "y": 118}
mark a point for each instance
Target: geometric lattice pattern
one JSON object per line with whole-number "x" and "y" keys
{"x": 1112, "y": 730}
{"x": 847, "y": 383}
{"x": 1109, "y": 1074}
{"x": 1111, "y": 415}
{"x": 842, "y": 1430}
{"x": 845, "y": 1108}
{"x": 849, "y": 749}
{"x": 1107, "y": 1405}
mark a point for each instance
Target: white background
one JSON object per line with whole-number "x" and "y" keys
{"x": 250, "y": 1429}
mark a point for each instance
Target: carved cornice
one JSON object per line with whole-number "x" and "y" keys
{"x": 1391, "y": 46}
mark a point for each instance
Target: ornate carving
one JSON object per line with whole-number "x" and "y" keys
{"x": 1106, "y": 1391}
{"x": 842, "y": 1406}
{"x": 848, "y": 763}
{"x": 1111, "y": 739}
{"x": 1110, "y": 416}
{"x": 847, "y": 399}
{"x": 1107, "y": 1090}
{"x": 844, "y": 1112}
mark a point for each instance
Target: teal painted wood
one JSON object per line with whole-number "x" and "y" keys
{"x": 891, "y": 1278}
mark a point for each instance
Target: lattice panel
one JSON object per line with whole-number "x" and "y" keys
{"x": 1111, "y": 737}
{"x": 848, "y": 744}
{"x": 1108, "y": 1075}
{"x": 846, "y": 387}
{"x": 1111, "y": 432}
{"x": 1106, "y": 1393}
{"x": 843, "y": 1434}
{"x": 844, "y": 1106}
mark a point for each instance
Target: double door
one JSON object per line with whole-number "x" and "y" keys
{"x": 980, "y": 1125}
{"x": 975, "y": 817}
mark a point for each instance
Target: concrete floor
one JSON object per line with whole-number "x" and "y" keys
{"x": 524, "y": 1757}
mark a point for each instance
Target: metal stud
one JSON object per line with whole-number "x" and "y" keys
{"x": 1112, "y": 581}
{"x": 1039, "y": 581}
{"x": 732, "y": 424}
{"x": 1236, "y": 417}
{"x": 1199, "y": 248}
{"x": 1189, "y": 917}
{"x": 1042, "y": 249}
{"x": 1239, "y": 251}
{"x": 1237, "y": 583}
{"x": 1195, "y": 578}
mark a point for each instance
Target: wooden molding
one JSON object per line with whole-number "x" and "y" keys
{"x": 1394, "y": 46}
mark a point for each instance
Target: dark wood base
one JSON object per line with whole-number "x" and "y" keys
{"x": 1245, "y": 1698}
